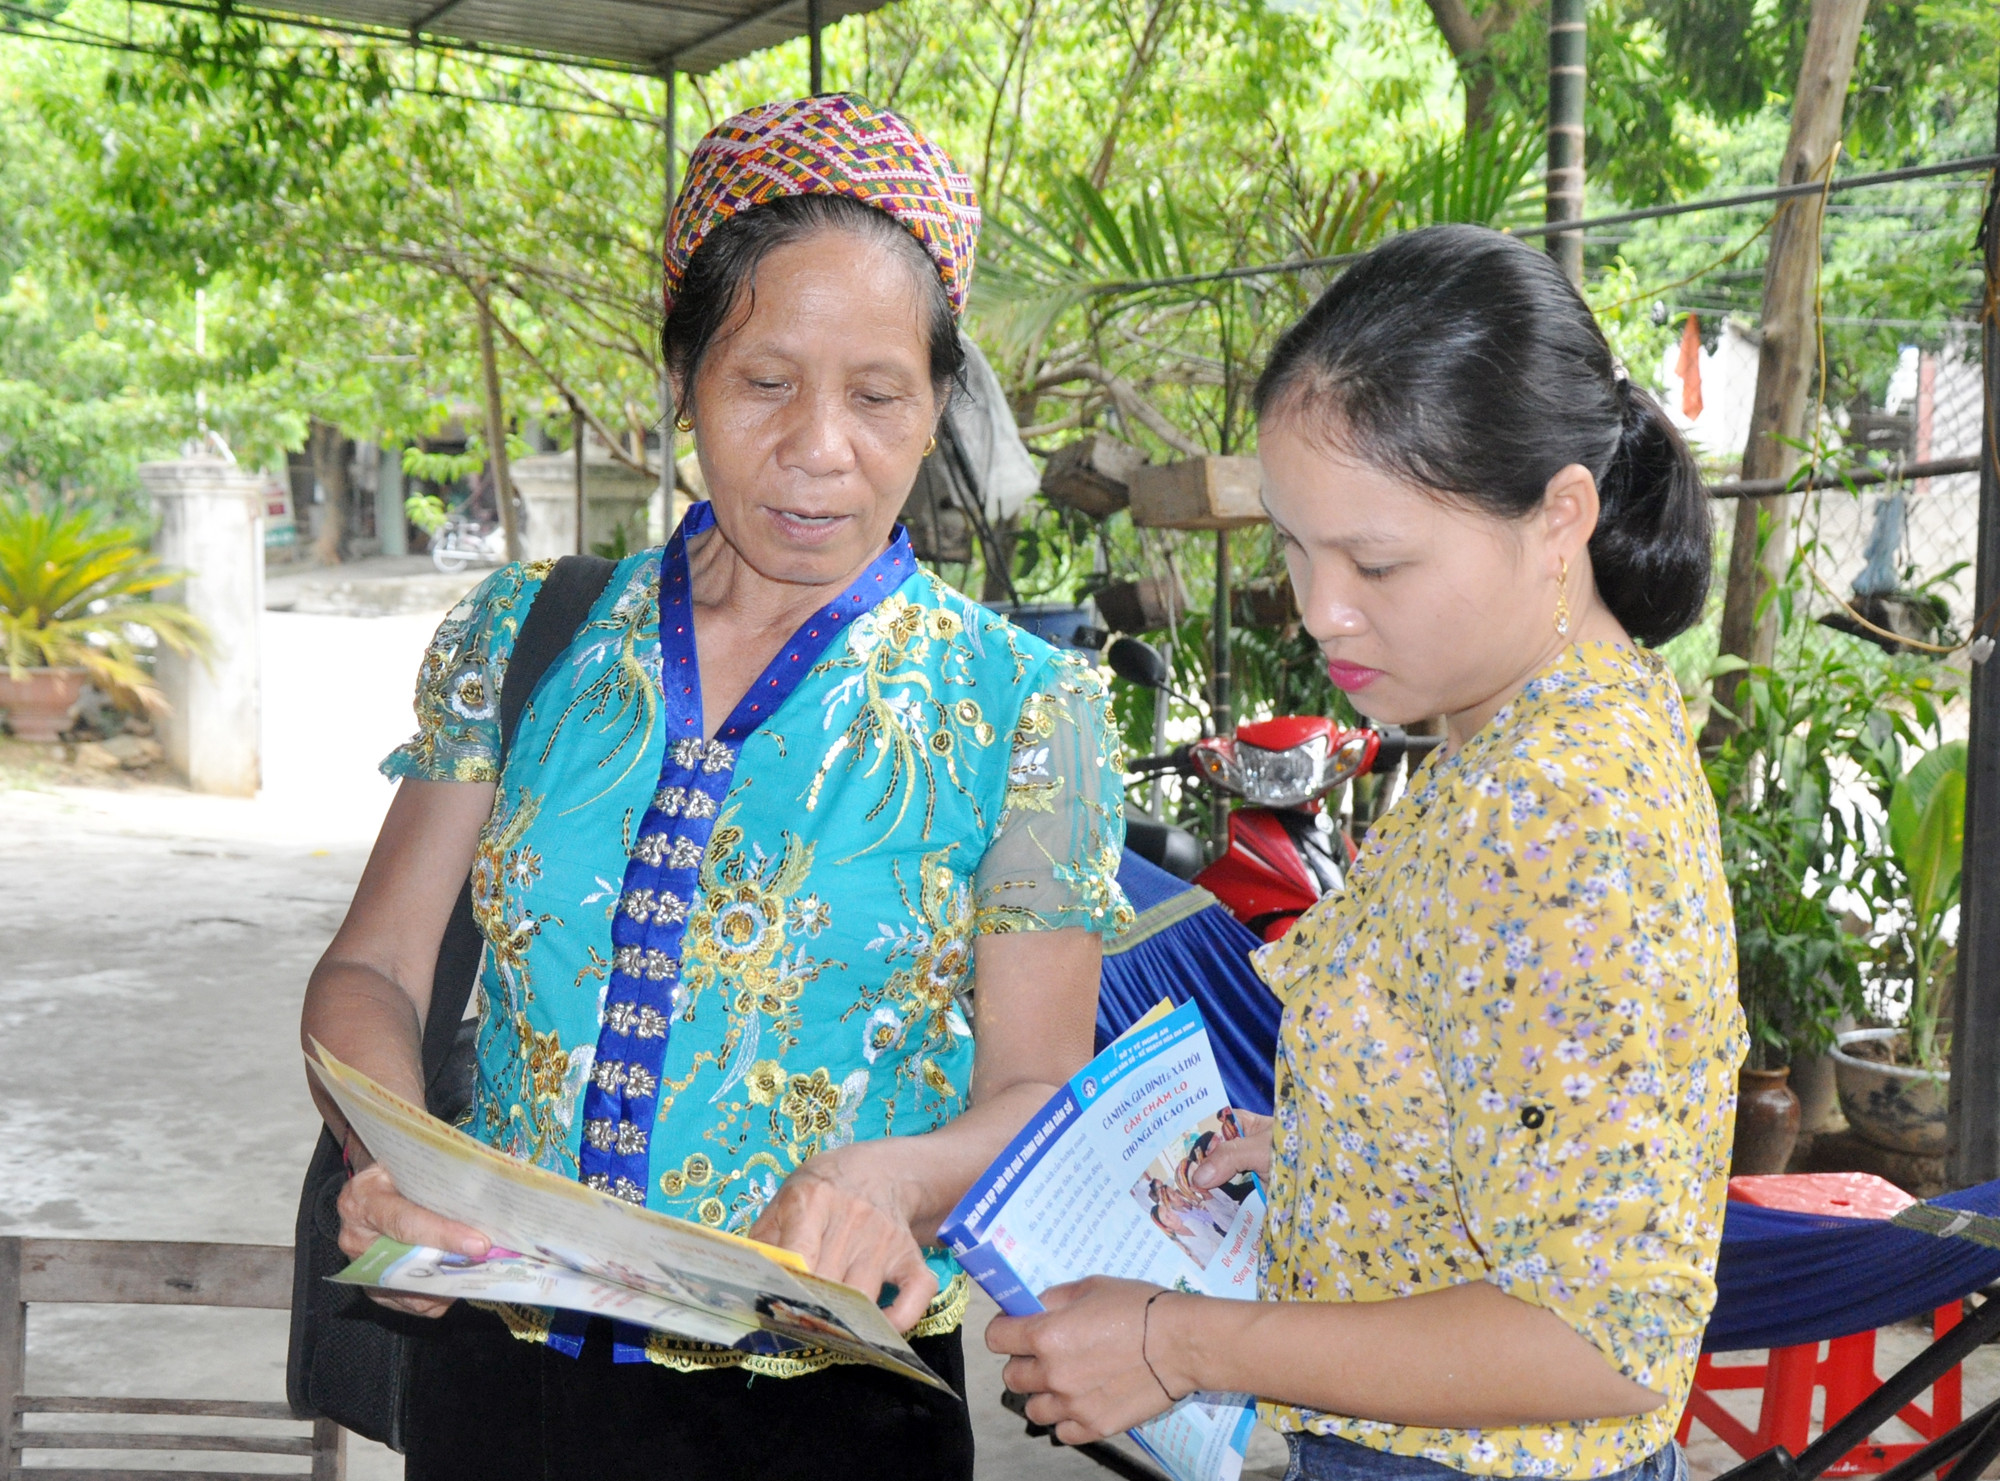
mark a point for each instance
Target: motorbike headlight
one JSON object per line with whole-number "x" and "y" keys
{"x": 1288, "y": 777}
{"x": 1284, "y": 778}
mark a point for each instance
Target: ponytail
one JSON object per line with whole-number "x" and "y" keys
{"x": 1654, "y": 537}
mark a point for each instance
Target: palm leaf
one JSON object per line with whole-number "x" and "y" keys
{"x": 1485, "y": 178}
{"x": 75, "y": 592}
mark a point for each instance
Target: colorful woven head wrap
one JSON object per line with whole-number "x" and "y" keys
{"x": 834, "y": 144}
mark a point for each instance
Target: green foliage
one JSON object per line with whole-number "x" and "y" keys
{"x": 1803, "y": 790}
{"x": 426, "y": 512}
{"x": 1927, "y": 846}
{"x": 451, "y": 467}
{"x": 75, "y": 592}
{"x": 1485, "y": 177}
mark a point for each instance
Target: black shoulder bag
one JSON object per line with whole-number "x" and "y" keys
{"x": 350, "y": 1359}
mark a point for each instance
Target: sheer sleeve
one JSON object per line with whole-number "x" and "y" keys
{"x": 1053, "y": 861}
{"x": 458, "y": 685}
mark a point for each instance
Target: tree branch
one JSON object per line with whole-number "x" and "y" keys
{"x": 595, "y": 422}
{"x": 1131, "y": 403}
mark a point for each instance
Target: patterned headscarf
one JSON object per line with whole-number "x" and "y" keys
{"x": 834, "y": 144}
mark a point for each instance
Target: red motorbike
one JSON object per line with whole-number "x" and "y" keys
{"x": 1284, "y": 851}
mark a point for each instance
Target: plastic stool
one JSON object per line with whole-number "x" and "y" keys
{"x": 1789, "y": 1375}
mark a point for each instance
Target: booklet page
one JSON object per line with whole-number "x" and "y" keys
{"x": 563, "y": 1223}
{"x": 1100, "y": 1183}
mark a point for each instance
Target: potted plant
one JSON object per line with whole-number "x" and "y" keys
{"x": 1827, "y": 713}
{"x": 75, "y": 603}
{"x": 1796, "y": 969}
{"x": 1894, "y": 1082}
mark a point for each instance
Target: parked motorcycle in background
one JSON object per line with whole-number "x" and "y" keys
{"x": 461, "y": 542}
{"x": 1284, "y": 851}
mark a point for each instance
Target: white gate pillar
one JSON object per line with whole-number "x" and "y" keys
{"x": 212, "y": 530}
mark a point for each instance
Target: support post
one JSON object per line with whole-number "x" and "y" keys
{"x": 1221, "y": 699}
{"x": 212, "y": 531}
{"x": 576, "y": 430}
{"x": 1568, "y": 58}
{"x": 496, "y": 435}
{"x": 391, "y": 523}
{"x": 1973, "y": 1153}
{"x": 815, "y": 54}
{"x": 659, "y": 523}
{"x": 13, "y": 1345}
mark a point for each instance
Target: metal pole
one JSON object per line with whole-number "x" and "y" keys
{"x": 1220, "y": 698}
{"x": 816, "y": 64}
{"x": 576, "y": 433}
{"x": 1567, "y": 59}
{"x": 669, "y": 192}
{"x": 1974, "y": 1155}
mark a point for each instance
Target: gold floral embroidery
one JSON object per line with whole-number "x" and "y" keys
{"x": 902, "y": 721}
{"x": 737, "y": 935}
{"x": 945, "y": 1314}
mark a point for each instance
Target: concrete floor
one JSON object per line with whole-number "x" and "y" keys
{"x": 156, "y": 945}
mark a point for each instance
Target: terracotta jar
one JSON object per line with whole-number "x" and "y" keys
{"x": 1767, "y": 1122}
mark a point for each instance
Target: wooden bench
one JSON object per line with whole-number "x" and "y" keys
{"x": 146, "y": 1272}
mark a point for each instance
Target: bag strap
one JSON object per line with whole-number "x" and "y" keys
{"x": 559, "y": 610}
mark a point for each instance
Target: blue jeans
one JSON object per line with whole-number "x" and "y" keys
{"x": 1330, "y": 1458}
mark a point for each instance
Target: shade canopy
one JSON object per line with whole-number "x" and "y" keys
{"x": 649, "y": 36}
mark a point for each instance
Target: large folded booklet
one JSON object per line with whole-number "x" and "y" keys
{"x": 1100, "y": 1183}
{"x": 559, "y": 1243}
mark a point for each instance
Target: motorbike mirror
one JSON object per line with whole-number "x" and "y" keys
{"x": 1137, "y": 663}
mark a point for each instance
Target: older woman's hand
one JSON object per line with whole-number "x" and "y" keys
{"x": 847, "y": 1212}
{"x": 1083, "y": 1359}
{"x": 370, "y": 1207}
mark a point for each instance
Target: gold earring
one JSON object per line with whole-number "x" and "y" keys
{"x": 1562, "y": 602}
{"x": 683, "y": 423}
{"x": 931, "y": 446}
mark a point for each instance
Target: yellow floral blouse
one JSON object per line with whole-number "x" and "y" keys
{"x": 1509, "y": 1053}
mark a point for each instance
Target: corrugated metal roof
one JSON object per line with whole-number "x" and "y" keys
{"x": 632, "y": 35}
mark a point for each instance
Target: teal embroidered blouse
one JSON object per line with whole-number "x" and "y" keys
{"x": 936, "y": 774}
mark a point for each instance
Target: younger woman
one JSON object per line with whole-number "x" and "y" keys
{"x": 1505, "y": 1071}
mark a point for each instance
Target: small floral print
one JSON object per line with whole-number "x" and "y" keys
{"x": 1511, "y": 1048}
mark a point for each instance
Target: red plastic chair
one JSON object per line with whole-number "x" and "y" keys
{"x": 1845, "y": 1371}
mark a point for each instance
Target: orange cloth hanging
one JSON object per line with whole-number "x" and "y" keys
{"x": 1689, "y": 367}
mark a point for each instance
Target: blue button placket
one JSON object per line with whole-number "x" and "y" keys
{"x": 621, "y": 1103}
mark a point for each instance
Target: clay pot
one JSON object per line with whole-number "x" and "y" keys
{"x": 1892, "y": 1105}
{"x": 41, "y": 702}
{"x": 1767, "y": 1122}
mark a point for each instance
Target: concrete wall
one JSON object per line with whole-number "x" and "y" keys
{"x": 613, "y": 494}
{"x": 212, "y": 529}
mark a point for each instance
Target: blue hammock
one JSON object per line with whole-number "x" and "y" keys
{"x": 1184, "y": 946}
{"x": 1782, "y": 1278}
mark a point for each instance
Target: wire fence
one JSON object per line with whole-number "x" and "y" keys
{"x": 1916, "y": 536}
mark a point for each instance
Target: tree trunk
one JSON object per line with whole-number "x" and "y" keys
{"x": 496, "y": 435}
{"x": 1788, "y": 357}
{"x": 1568, "y": 57}
{"x": 328, "y": 449}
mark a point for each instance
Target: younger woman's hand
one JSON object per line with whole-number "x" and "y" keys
{"x": 1226, "y": 1159}
{"x": 843, "y": 1211}
{"x": 1083, "y": 1360}
{"x": 370, "y": 1207}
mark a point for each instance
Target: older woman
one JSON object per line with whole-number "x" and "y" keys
{"x": 794, "y": 878}
{"x": 1506, "y": 1069}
